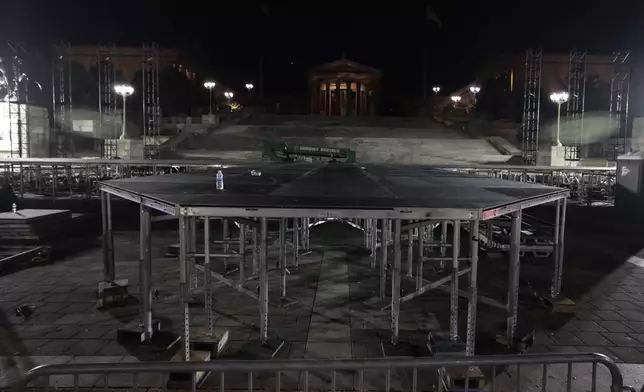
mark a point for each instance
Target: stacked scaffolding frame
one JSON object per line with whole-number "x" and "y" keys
{"x": 151, "y": 110}
{"x": 62, "y": 102}
{"x": 574, "y": 141}
{"x": 531, "y": 105}
{"x": 109, "y": 129}
{"x": 17, "y": 87}
{"x": 619, "y": 96}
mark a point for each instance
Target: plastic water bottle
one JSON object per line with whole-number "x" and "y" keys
{"x": 14, "y": 208}
{"x": 220, "y": 181}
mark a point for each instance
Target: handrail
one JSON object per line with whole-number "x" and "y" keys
{"x": 335, "y": 365}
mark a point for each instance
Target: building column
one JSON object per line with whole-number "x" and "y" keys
{"x": 349, "y": 106}
{"x": 327, "y": 104}
{"x": 338, "y": 97}
{"x": 358, "y": 106}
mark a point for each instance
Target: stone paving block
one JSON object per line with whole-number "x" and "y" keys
{"x": 615, "y": 326}
{"x": 94, "y": 332}
{"x": 632, "y": 315}
{"x": 62, "y": 332}
{"x": 594, "y": 338}
{"x": 27, "y": 346}
{"x": 609, "y": 315}
{"x": 637, "y": 326}
{"x": 113, "y": 348}
{"x": 587, "y": 326}
{"x": 622, "y": 339}
{"x": 626, "y": 305}
{"x": 56, "y": 347}
{"x": 628, "y": 354}
{"x": 50, "y": 307}
{"x": 564, "y": 349}
{"x": 328, "y": 350}
{"x": 617, "y": 296}
{"x": 87, "y": 347}
{"x": 566, "y": 339}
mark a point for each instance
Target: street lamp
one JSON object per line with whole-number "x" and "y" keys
{"x": 456, "y": 99}
{"x": 124, "y": 90}
{"x": 249, "y": 86}
{"x": 475, "y": 90}
{"x": 210, "y": 86}
{"x": 559, "y": 98}
{"x": 436, "y": 89}
{"x": 229, "y": 96}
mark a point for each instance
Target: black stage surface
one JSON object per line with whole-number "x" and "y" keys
{"x": 336, "y": 186}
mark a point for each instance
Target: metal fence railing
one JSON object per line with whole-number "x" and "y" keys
{"x": 531, "y": 372}
{"x": 71, "y": 177}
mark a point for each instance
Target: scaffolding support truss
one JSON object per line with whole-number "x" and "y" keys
{"x": 575, "y": 106}
{"x": 151, "y": 110}
{"x": 62, "y": 102}
{"x": 109, "y": 129}
{"x": 17, "y": 103}
{"x": 531, "y": 105}
{"x": 619, "y": 95}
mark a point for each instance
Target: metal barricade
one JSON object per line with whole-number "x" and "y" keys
{"x": 538, "y": 372}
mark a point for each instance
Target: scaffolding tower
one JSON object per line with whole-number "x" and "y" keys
{"x": 62, "y": 102}
{"x": 151, "y": 110}
{"x": 109, "y": 129}
{"x": 574, "y": 141}
{"x": 17, "y": 98}
{"x": 531, "y": 105}
{"x": 619, "y": 95}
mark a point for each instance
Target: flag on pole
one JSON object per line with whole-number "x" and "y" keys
{"x": 431, "y": 16}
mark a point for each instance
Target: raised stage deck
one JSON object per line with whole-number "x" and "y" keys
{"x": 337, "y": 190}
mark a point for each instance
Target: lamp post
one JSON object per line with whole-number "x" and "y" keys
{"x": 229, "y": 95}
{"x": 559, "y": 98}
{"x": 456, "y": 99}
{"x": 125, "y": 90}
{"x": 436, "y": 89}
{"x": 249, "y": 87}
{"x": 475, "y": 90}
{"x": 210, "y": 86}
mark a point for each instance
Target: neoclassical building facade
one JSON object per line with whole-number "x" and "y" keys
{"x": 343, "y": 88}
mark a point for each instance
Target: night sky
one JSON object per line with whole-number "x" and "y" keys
{"x": 226, "y": 39}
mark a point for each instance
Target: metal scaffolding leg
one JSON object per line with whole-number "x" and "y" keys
{"x": 384, "y": 236}
{"x": 395, "y": 282}
{"x": 473, "y": 290}
{"x": 282, "y": 256}
{"x": 296, "y": 242}
{"x": 225, "y": 238}
{"x": 373, "y": 245}
{"x": 443, "y": 241}
{"x": 513, "y": 279}
{"x": 206, "y": 270}
{"x": 192, "y": 249}
{"x": 453, "y": 302}
{"x": 410, "y": 253}
{"x": 419, "y": 261}
{"x": 255, "y": 253}
{"x": 145, "y": 278}
{"x": 560, "y": 227}
{"x": 263, "y": 281}
{"x": 242, "y": 254}
{"x": 307, "y": 243}
{"x": 184, "y": 286}
{"x": 108, "y": 238}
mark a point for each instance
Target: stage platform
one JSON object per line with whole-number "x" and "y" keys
{"x": 442, "y": 217}
{"x": 334, "y": 190}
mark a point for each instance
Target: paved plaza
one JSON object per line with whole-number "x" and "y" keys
{"x": 334, "y": 316}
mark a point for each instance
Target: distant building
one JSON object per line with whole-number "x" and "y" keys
{"x": 343, "y": 88}
{"x": 126, "y": 59}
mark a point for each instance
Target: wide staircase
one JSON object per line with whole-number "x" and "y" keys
{"x": 375, "y": 140}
